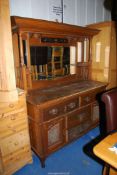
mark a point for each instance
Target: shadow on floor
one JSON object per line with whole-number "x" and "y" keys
{"x": 88, "y": 149}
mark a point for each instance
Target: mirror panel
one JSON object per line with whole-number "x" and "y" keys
{"x": 49, "y": 62}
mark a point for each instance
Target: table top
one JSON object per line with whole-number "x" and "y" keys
{"x": 101, "y": 150}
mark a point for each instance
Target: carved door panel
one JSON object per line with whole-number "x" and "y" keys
{"x": 54, "y": 135}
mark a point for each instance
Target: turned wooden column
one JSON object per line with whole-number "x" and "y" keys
{"x": 8, "y": 91}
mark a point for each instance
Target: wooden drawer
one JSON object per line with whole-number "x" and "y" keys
{"x": 79, "y": 116}
{"x": 60, "y": 109}
{"x": 87, "y": 98}
{"x": 13, "y": 123}
{"x": 14, "y": 142}
{"x": 77, "y": 131}
{"x": 52, "y": 112}
{"x": 70, "y": 104}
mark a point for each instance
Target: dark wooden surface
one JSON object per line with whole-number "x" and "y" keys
{"x": 37, "y": 96}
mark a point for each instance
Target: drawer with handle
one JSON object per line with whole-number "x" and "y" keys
{"x": 87, "y": 98}
{"x": 79, "y": 116}
{"x": 59, "y": 109}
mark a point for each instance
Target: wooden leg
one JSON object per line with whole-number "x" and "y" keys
{"x": 106, "y": 169}
{"x": 42, "y": 162}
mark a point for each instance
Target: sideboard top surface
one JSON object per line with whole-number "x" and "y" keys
{"x": 40, "y": 96}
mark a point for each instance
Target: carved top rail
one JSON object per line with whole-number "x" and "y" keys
{"x": 20, "y": 24}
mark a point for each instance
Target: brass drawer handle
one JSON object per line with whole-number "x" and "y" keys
{"x": 72, "y": 105}
{"x": 53, "y": 111}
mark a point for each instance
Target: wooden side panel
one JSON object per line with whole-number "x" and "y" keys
{"x": 113, "y": 58}
{"x": 36, "y": 137}
{"x": 104, "y": 64}
{"x": 99, "y": 44}
{"x": 15, "y": 149}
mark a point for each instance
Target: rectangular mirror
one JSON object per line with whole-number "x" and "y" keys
{"x": 49, "y": 62}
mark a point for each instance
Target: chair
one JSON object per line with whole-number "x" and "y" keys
{"x": 39, "y": 72}
{"x": 57, "y": 61}
{"x": 110, "y": 100}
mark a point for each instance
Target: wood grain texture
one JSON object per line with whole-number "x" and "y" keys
{"x": 7, "y": 81}
{"x": 42, "y": 26}
{"x": 101, "y": 150}
{"x": 15, "y": 149}
{"x": 105, "y": 68}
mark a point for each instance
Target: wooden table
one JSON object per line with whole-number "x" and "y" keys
{"x": 101, "y": 150}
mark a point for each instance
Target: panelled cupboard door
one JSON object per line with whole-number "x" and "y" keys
{"x": 54, "y": 135}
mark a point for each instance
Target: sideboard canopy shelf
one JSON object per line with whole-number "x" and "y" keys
{"x": 30, "y": 25}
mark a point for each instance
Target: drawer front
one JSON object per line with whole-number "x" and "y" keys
{"x": 77, "y": 131}
{"x": 79, "y": 116}
{"x": 70, "y": 105}
{"x": 51, "y": 112}
{"x": 60, "y": 109}
{"x": 14, "y": 142}
{"x": 87, "y": 98}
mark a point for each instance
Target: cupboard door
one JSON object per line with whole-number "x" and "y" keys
{"x": 54, "y": 135}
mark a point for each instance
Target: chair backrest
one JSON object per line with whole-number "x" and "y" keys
{"x": 39, "y": 72}
{"x": 110, "y": 100}
{"x": 57, "y": 61}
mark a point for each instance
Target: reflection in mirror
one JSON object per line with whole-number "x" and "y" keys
{"x": 49, "y": 62}
{"x": 72, "y": 59}
{"x": 83, "y": 49}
